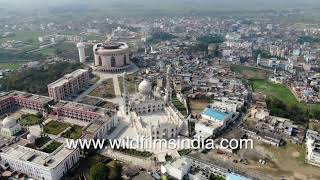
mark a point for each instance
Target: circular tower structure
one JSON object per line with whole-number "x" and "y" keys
{"x": 111, "y": 57}
{"x": 82, "y": 56}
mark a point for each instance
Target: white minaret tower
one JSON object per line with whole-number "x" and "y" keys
{"x": 125, "y": 94}
{"x": 258, "y": 59}
{"x": 168, "y": 96}
{"x": 82, "y": 55}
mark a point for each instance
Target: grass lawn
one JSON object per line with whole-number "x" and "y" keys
{"x": 74, "y": 133}
{"x": 55, "y": 127}
{"x": 251, "y": 72}
{"x": 29, "y": 120}
{"x": 52, "y": 147}
{"x": 39, "y": 142}
{"x": 275, "y": 90}
{"x": 179, "y": 106}
{"x": 11, "y": 66}
{"x": 105, "y": 90}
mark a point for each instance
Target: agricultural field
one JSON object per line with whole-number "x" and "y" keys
{"x": 252, "y": 72}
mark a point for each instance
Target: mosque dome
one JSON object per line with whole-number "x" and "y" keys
{"x": 145, "y": 87}
{"x": 31, "y": 138}
{"x": 158, "y": 90}
{"x": 9, "y": 121}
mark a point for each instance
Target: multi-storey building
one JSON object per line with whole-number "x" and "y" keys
{"x": 69, "y": 85}
{"x": 13, "y": 100}
{"x": 313, "y": 148}
{"x": 38, "y": 164}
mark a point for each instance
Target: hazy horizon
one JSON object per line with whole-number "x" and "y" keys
{"x": 163, "y": 4}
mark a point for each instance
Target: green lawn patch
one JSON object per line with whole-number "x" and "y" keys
{"x": 281, "y": 102}
{"x": 275, "y": 90}
{"x": 55, "y": 127}
{"x": 39, "y": 142}
{"x": 29, "y": 120}
{"x": 52, "y": 147}
{"x": 179, "y": 106}
{"x": 74, "y": 132}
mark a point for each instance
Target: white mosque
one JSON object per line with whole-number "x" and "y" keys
{"x": 10, "y": 127}
{"x": 151, "y": 114}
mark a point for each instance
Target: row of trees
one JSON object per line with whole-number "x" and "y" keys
{"x": 299, "y": 113}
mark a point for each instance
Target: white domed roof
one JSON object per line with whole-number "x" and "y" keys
{"x": 9, "y": 121}
{"x": 145, "y": 87}
{"x": 158, "y": 90}
{"x": 30, "y": 137}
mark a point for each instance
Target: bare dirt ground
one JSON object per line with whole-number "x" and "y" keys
{"x": 198, "y": 106}
{"x": 281, "y": 163}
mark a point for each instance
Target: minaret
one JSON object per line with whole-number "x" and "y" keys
{"x": 168, "y": 86}
{"x": 125, "y": 93}
{"x": 258, "y": 59}
{"x": 82, "y": 55}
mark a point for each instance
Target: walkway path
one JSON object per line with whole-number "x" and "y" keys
{"x": 116, "y": 86}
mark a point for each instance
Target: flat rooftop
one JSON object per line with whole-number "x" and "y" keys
{"x": 33, "y": 97}
{"x": 79, "y": 106}
{"x": 112, "y": 45}
{"x": 213, "y": 113}
{"x": 38, "y": 157}
{"x": 67, "y": 77}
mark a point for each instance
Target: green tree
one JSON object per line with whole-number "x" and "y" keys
{"x": 99, "y": 171}
{"x": 116, "y": 172}
{"x": 216, "y": 177}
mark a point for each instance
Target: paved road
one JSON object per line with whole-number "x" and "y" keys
{"x": 116, "y": 86}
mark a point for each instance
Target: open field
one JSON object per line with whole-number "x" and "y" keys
{"x": 55, "y": 127}
{"x": 284, "y": 104}
{"x": 197, "y": 106}
{"x": 131, "y": 83}
{"x": 105, "y": 90}
{"x": 252, "y": 72}
{"x": 281, "y": 162}
{"x": 11, "y": 66}
{"x": 29, "y": 37}
{"x": 275, "y": 90}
